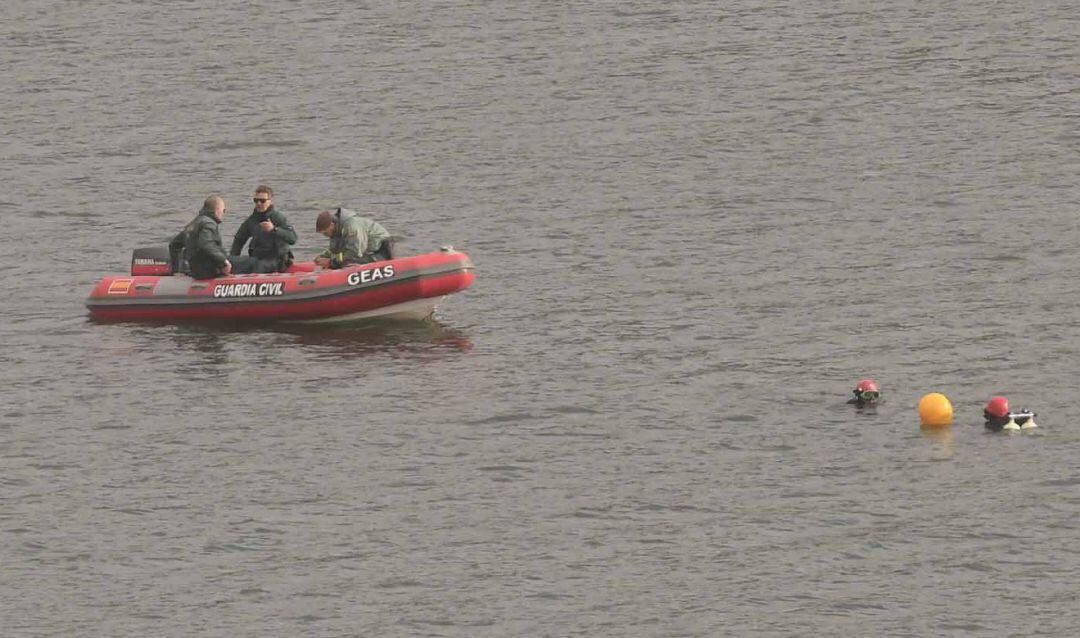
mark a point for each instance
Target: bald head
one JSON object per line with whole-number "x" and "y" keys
{"x": 214, "y": 205}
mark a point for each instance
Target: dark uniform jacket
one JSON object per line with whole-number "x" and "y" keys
{"x": 200, "y": 242}
{"x": 266, "y": 246}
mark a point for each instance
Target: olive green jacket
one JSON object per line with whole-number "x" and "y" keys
{"x": 200, "y": 242}
{"x": 355, "y": 239}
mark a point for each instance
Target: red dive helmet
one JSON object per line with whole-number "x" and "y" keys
{"x": 867, "y": 385}
{"x": 997, "y": 407}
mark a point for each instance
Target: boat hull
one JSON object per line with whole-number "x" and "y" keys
{"x": 409, "y": 287}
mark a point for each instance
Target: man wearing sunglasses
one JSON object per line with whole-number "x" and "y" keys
{"x": 270, "y": 233}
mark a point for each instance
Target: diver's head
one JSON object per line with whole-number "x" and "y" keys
{"x": 997, "y": 413}
{"x": 867, "y": 391}
{"x": 996, "y": 408}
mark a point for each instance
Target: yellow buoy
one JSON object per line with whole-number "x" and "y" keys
{"x": 935, "y": 410}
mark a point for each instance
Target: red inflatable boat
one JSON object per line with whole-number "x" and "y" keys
{"x": 407, "y": 287}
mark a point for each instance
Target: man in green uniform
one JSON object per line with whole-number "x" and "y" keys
{"x": 200, "y": 244}
{"x": 270, "y": 233}
{"x": 353, "y": 239}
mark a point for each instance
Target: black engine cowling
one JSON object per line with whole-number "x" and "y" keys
{"x": 152, "y": 261}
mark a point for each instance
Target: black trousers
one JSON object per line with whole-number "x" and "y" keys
{"x": 245, "y": 265}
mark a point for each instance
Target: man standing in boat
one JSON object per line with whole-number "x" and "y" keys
{"x": 270, "y": 233}
{"x": 353, "y": 239}
{"x": 200, "y": 244}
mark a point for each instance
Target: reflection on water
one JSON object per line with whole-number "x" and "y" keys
{"x": 352, "y": 338}
{"x": 211, "y": 345}
{"x": 380, "y": 334}
{"x": 219, "y": 352}
{"x": 942, "y": 437}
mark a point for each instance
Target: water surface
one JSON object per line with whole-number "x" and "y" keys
{"x": 695, "y": 228}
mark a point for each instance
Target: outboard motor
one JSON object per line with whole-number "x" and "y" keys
{"x": 154, "y": 261}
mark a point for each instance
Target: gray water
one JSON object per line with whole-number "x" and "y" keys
{"x": 695, "y": 225}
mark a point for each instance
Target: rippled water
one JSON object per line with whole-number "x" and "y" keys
{"x": 695, "y": 227}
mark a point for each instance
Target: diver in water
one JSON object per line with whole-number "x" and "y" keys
{"x": 997, "y": 415}
{"x": 1000, "y": 418}
{"x": 867, "y": 393}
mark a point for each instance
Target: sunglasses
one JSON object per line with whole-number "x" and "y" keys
{"x": 260, "y": 201}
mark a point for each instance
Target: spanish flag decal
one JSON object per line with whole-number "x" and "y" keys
{"x": 120, "y": 286}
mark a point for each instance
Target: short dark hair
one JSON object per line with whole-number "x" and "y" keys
{"x": 263, "y": 188}
{"x": 325, "y": 219}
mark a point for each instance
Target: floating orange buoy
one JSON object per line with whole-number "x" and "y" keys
{"x": 935, "y": 410}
